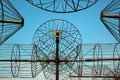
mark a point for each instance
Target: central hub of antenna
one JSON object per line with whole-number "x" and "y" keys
{"x": 57, "y": 33}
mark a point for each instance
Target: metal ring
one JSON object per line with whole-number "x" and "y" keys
{"x": 15, "y": 64}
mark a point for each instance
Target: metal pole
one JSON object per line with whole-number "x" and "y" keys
{"x": 57, "y": 58}
{"x": 11, "y": 21}
{"x": 110, "y": 15}
{"x": 99, "y": 76}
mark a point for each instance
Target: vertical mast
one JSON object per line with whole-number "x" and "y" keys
{"x": 57, "y": 35}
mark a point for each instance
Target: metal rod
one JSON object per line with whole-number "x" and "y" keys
{"x": 110, "y": 16}
{"x": 11, "y": 21}
{"x": 117, "y": 77}
{"x": 59, "y": 60}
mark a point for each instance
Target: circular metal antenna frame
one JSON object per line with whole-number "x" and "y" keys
{"x": 58, "y": 44}
{"x": 98, "y": 65}
{"x": 62, "y": 6}
{"x": 15, "y": 65}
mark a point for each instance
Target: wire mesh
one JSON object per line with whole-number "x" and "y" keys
{"x": 56, "y": 49}
{"x": 11, "y": 64}
{"x": 10, "y": 20}
{"x": 21, "y": 61}
{"x": 116, "y": 54}
{"x": 62, "y": 6}
{"x": 110, "y": 16}
{"x": 100, "y": 65}
{"x": 57, "y": 41}
{"x": 5, "y": 67}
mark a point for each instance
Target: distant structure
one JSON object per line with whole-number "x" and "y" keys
{"x": 10, "y": 20}
{"x": 62, "y": 6}
{"x": 94, "y": 62}
{"x": 110, "y": 16}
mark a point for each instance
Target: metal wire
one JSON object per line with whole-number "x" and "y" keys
{"x": 116, "y": 54}
{"x": 11, "y": 64}
{"x": 62, "y": 6}
{"x": 110, "y": 16}
{"x": 57, "y": 50}
{"x": 21, "y": 61}
{"x": 100, "y": 65}
{"x": 10, "y": 20}
{"x": 57, "y": 41}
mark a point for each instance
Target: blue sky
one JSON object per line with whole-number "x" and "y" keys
{"x": 87, "y": 21}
